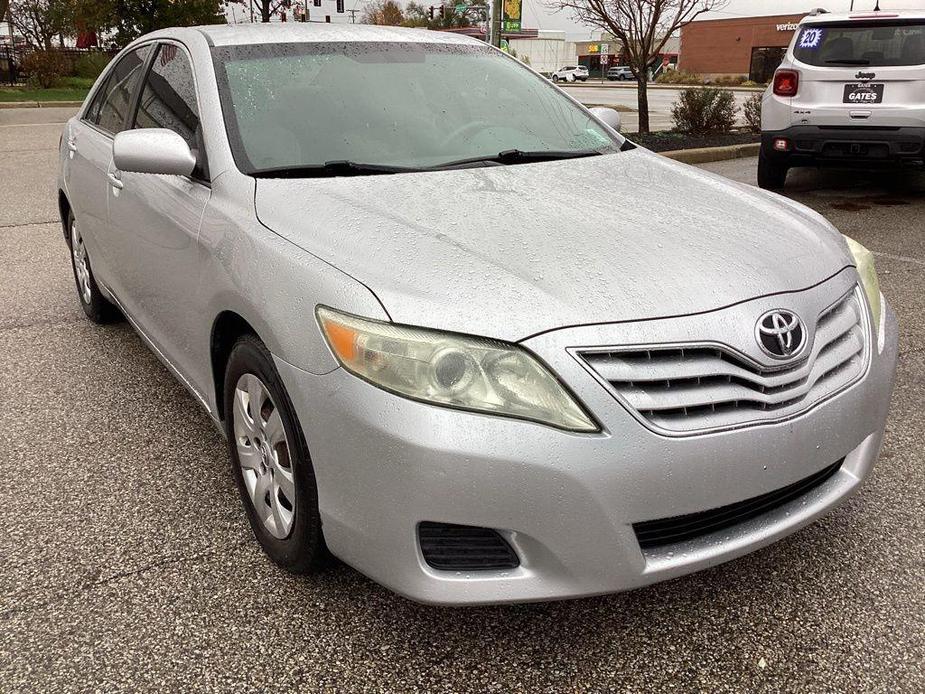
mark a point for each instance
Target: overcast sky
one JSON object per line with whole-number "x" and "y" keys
{"x": 538, "y": 16}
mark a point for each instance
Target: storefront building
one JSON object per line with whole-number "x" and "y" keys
{"x": 750, "y": 47}
{"x": 597, "y": 56}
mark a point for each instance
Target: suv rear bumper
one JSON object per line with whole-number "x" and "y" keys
{"x": 813, "y": 145}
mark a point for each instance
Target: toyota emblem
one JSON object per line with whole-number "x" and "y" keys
{"x": 780, "y": 334}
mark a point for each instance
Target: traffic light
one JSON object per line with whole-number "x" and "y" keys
{"x": 430, "y": 11}
{"x": 442, "y": 12}
{"x": 340, "y": 6}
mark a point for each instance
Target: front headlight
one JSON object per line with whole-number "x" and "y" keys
{"x": 864, "y": 260}
{"x": 468, "y": 373}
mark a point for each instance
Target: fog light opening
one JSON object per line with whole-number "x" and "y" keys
{"x": 781, "y": 144}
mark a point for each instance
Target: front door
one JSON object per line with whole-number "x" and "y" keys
{"x": 157, "y": 219}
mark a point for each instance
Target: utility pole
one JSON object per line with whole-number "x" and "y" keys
{"x": 496, "y": 11}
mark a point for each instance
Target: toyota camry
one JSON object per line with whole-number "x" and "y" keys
{"x": 341, "y": 240}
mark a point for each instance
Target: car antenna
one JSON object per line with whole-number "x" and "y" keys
{"x": 877, "y": 6}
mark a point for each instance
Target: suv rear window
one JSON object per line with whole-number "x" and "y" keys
{"x": 861, "y": 43}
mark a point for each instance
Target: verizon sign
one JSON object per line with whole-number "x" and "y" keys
{"x": 792, "y": 26}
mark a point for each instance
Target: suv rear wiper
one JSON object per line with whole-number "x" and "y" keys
{"x": 331, "y": 168}
{"x": 517, "y": 156}
{"x": 848, "y": 61}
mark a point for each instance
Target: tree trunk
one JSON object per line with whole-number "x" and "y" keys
{"x": 642, "y": 100}
{"x": 265, "y": 11}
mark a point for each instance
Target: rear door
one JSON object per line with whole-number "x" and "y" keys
{"x": 861, "y": 73}
{"x": 155, "y": 219}
{"x": 89, "y": 145}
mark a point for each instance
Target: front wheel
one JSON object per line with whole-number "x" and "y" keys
{"x": 771, "y": 175}
{"x": 270, "y": 460}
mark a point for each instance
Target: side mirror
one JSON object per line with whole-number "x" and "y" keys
{"x": 153, "y": 151}
{"x": 607, "y": 116}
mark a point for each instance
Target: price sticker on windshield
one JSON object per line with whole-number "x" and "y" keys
{"x": 811, "y": 38}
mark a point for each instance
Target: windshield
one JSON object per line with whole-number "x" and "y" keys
{"x": 861, "y": 43}
{"x": 405, "y": 105}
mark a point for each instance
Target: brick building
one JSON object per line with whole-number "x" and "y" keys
{"x": 744, "y": 46}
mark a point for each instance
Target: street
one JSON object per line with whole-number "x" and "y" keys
{"x": 129, "y": 565}
{"x": 593, "y": 93}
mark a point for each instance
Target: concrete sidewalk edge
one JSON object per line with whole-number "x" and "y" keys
{"x": 40, "y": 104}
{"x": 702, "y": 155}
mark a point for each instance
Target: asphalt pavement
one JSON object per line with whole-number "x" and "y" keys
{"x": 127, "y": 563}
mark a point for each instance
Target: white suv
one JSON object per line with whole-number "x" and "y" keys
{"x": 570, "y": 73}
{"x": 849, "y": 92}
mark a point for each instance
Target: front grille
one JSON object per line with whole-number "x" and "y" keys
{"x": 464, "y": 548}
{"x": 669, "y": 531}
{"x": 690, "y": 389}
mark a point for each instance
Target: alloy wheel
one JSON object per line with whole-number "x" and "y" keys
{"x": 263, "y": 454}
{"x": 81, "y": 266}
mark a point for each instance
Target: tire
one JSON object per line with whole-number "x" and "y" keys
{"x": 276, "y": 464}
{"x": 771, "y": 176}
{"x": 96, "y": 306}
{"x": 555, "y": 79}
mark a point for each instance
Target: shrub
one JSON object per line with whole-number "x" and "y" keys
{"x": 752, "y": 111}
{"x": 704, "y": 110}
{"x": 729, "y": 80}
{"x": 91, "y": 65}
{"x": 44, "y": 68}
{"x": 678, "y": 77}
{"x": 749, "y": 83}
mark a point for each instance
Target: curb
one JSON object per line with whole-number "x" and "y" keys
{"x": 704, "y": 155}
{"x": 632, "y": 85}
{"x": 40, "y": 104}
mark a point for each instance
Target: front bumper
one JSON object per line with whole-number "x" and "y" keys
{"x": 860, "y": 146}
{"x": 566, "y": 502}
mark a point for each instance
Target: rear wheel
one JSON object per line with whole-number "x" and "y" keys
{"x": 270, "y": 460}
{"x": 771, "y": 175}
{"x": 96, "y": 307}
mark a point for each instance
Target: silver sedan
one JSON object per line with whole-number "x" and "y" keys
{"x": 457, "y": 330}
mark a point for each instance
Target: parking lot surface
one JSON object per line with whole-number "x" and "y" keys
{"x": 128, "y": 564}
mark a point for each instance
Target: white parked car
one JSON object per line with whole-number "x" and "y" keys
{"x": 570, "y": 73}
{"x": 849, "y": 92}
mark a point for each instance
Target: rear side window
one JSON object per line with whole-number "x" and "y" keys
{"x": 862, "y": 44}
{"x": 169, "y": 96}
{"x": 111, "y": 105}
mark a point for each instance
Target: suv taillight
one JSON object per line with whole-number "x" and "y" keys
{"x": 786, "y": 82}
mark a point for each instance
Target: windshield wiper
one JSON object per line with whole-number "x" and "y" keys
{"x": 848, "y": 61}
{"x": 331, "y": 168}
{"x": 517, "y": 156}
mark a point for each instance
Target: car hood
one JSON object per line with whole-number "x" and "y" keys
{"x": 511, "y": 251}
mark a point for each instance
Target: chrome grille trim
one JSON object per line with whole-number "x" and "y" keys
{"x": 681, "y": 389}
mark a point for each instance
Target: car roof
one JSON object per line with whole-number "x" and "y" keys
{"x": 885, "y": 15}
{"x": 317, "y": 32}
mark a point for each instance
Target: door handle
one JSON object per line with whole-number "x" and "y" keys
{"x": 71, "y": 145}
{"x": 115, "y": 181}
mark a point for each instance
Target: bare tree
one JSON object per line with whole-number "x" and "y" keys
{"x": 384, "y": 12}
{"x": 4, "y": 6}
{"x": 642, "y": 27}
{"x": 39, "y": 21}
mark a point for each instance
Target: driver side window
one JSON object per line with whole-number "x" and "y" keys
{"x": 169, "y": 100}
